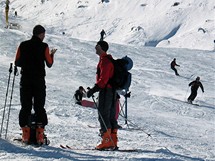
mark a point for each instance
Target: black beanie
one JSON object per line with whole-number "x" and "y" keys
{"x": 104, "y": 45}
{"x": 38, "y": 29}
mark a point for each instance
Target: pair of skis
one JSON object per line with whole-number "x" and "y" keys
{"x": 19, "y": 140}
{"x": 110, "y": 149}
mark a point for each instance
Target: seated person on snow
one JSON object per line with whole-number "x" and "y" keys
{"x": 79, "y": 94}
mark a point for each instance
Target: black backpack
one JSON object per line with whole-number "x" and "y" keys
{"x": 121, "y": 78}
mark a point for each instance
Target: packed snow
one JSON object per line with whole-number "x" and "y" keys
{"x": 160, "y": 124}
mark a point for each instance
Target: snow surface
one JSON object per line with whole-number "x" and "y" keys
{"x": 152, "y": 33}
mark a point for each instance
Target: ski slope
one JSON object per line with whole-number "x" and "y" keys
{"x": 178, "y": 131}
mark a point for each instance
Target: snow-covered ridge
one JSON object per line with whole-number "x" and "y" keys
{"x": 162, "y": 23}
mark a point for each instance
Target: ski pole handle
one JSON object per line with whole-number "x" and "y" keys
{"x": 15, "y": 70}
{"x": 11, "y": 67}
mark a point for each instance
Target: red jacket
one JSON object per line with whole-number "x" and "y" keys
{"x": 105, "y": 71}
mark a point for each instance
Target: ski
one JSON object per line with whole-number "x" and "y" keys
{"x": 20, "y": 143}
{"x": 117, "y": 150}
{"x": 195, "y": 104}
{"x": 71, "y": 148}
{"x": 19, "y": 140}
{"x": 92, "y": 126}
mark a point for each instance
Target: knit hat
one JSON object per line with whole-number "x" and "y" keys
{"x": 38, "y": 29}
{"x": 104, "y": 45}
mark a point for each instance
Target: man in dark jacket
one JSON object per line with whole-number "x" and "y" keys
{"x": 107, "y": 98}
{"x": 31, "y": 57}
{"x": 194, "y": 87}
{"x": 173, "y": 64}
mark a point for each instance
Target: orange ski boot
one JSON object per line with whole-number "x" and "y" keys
{"x": 107, "y": 141}
{"x": 26, "y": 135}
{"x": 40, "y": 135}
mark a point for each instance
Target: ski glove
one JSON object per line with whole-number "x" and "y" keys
{"x": 91, "y": 91}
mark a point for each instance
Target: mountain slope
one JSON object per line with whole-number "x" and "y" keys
{"x": 179, "y": 131}
{"x": 163, "y": 23}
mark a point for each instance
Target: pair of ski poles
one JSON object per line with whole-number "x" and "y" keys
{"x": 149, "y": 135}
{"x": 11, "y": 96}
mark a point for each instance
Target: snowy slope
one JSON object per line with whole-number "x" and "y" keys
{"x": 163, "y": 23}
{"x": 179, "y": 131}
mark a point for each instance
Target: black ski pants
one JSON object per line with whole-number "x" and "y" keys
{"x": 107, "y": 109}
{"x": 32, "y": 95}
{"x": 175, "y": 70}
{"x": 192, "y": 95}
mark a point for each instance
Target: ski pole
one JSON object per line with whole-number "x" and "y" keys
{"x": 99, "y": 112}
{"x": 126, "y": 108}
{"x": 185, "y": 98}
{"x": 191, "y": 76}
{"x": 102, "y": 119}
{"x": 202, "y": 97}
{"x": 122, "y": 113}
{"x": 148, "y": 134}
{"x": 15, "y": 74}
{"x": 8, "y": 83}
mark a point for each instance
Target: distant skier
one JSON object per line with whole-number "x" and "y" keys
{"x": 79, "y": 94}
{"x": 194, "y": 87}
{"x": 214, "y": 45}
{"x": 173, "y": 64}
{"x": 102, "y": 33}
{"x": 7, "y": 12}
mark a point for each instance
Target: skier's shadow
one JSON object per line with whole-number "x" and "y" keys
{"x": 169, "y": 153}
{"x": 45, "y": 152}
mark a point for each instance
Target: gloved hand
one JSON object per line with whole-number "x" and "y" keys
{"x": 53, "y": 51}
{"x": 91, "y": 91}
{"x": 128, "y": 95}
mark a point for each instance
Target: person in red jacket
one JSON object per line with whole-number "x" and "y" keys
{"x": 173, "y": 64}
{"x": 107, "y": 98}
{"x": 31, "y": 56}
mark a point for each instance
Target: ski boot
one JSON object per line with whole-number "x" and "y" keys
{"x": 26, "y": 134}
{"x": 107, "y": 142}
{"x": 40, "y": 135}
